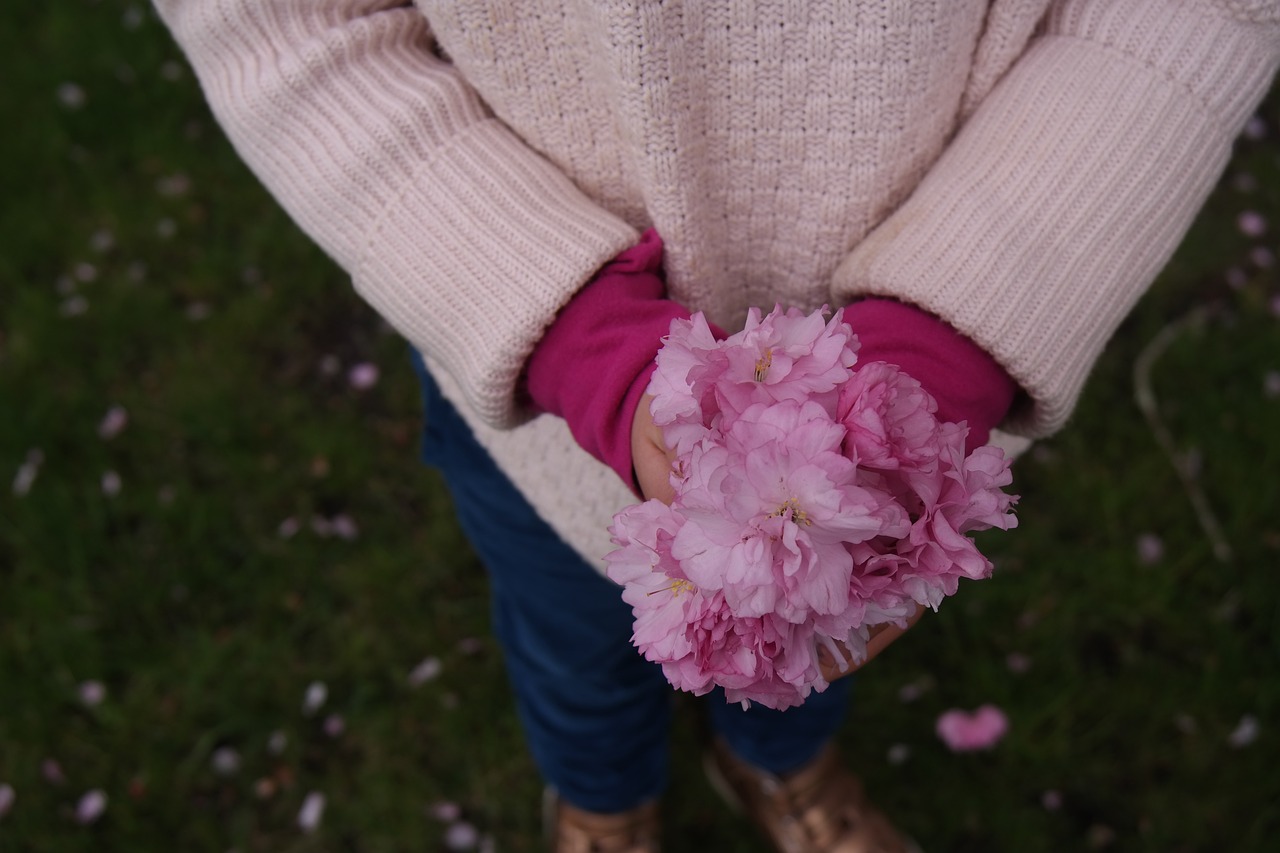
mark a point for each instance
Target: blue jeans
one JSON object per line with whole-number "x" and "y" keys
{"x": 594, "y": 711}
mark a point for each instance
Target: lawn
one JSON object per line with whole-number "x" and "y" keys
{"x": 229, "y": 593}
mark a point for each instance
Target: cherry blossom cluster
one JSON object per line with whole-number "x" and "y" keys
{"x": 815, "y": 498}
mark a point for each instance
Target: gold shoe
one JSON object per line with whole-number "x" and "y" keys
{"x": 571, "y": 830}
{"x": 819, "y": 808}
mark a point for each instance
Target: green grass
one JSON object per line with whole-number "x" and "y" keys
{"x": 227, "y": 337}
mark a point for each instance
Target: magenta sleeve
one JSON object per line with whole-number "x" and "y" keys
{"x": 593, "y": 364}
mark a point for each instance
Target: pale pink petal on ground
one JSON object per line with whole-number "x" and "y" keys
{"x": 1255, "y": 128}
{"x": 7, "y": 796}
{"x": 111, "y": 484}
{"x": 71, "y": 96}
{"x": 344, "y": 527}
{"x": 92, "y": 693}
{"x": 312, "y": 811}
{"x": 225, "y": 761}
{"x": 1251, "y": 223}
{"x": 1150, "y": 549}
{"x": 334, "y": 725}
{"x": 1271, "y": 383}
{"x": 363, "y": 376}
{"x": 445, "y": 811}
{"x": 113, "y": 422}
{"x": 27, "y": 472}
{"x": 963, "y": 731}
{"x": 74, "y": 307}
{"x": 1018, "y": 663}
{"x": 461, "y": 836}
{"x": 1051, "y": 800}
{"x": 51, "y": 770}
{"x": 172, "y": 186}
{"x": 1245, "y": 732}
{"x": 91, "y": 806}
{"x": 316, "y": 694}
{"x": 427, "y": 670}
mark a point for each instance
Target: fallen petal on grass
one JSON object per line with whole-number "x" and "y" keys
{"x": 363, "y": 376}
{"x": 92, "y": 693}
{"x": 428, "y": 670}
{"x": 91, "y": 807}
{"x": 1245, "y": 732}
{"x": 334, "y": 725}
{"x": 344, "y": 527}
{"x": 963, "y": 731}
{"x": 312, "y": 811}
{"x": 461, "y": 836}
{"x": 1150, "y": 549}
{"x": 1018, "y": 663}
{"x": 1252, "y": 223}
{"x": 7, "y": 796}
{"x": 445, "y": 811}
{"x": 315, "y": 696}
{"x": 113, "y": 422}
{"x": 51, "y": 770}
{"x": 225, "y": 761}
{"x": 27, "y": 472}
{"x": 1271, "y": 384}
{"x": 71, "y": 96}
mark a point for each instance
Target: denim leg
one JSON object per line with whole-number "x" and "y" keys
{"x": 595, "y": 713}
{"x": 781, "y": 741}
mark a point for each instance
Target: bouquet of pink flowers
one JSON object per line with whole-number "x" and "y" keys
{"x": 813, "y": 501}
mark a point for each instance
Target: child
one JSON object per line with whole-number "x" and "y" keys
{"x": 987, "y": 185}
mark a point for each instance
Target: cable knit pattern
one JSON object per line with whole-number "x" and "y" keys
{"x": 1020, "y": 168}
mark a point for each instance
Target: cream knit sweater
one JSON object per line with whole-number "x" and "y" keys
{"x": 1021, "y": 168}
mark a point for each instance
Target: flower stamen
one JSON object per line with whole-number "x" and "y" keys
{"x": 678, "y": 585}
{"x": 763, "y": 364}
{"x": 791, "y": 510}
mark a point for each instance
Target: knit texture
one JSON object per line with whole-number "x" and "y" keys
{"x": 1019, "y": 168}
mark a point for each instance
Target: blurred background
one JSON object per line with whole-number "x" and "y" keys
{"x": 236, "y": 613}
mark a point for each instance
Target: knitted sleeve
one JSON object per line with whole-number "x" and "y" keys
{"x": 1069, "y": 187}
{"x": 461, "y": 236}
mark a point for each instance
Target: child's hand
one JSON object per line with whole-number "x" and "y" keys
{"x": 650, "y": 455}
{"x": 881, "y": 637}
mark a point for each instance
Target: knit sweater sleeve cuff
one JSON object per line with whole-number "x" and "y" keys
{"x": 513, "y": 239}
{"x": 594, "y": 363}
{"x": 1068, "y": 189}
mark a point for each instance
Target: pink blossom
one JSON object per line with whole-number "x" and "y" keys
{"x": 687, "y": 353}
{"x": 786, "y": 356}
{"x": 812, "y": 502}
{"x": 963, "y": 731}
{"x": 889, "y": 418}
